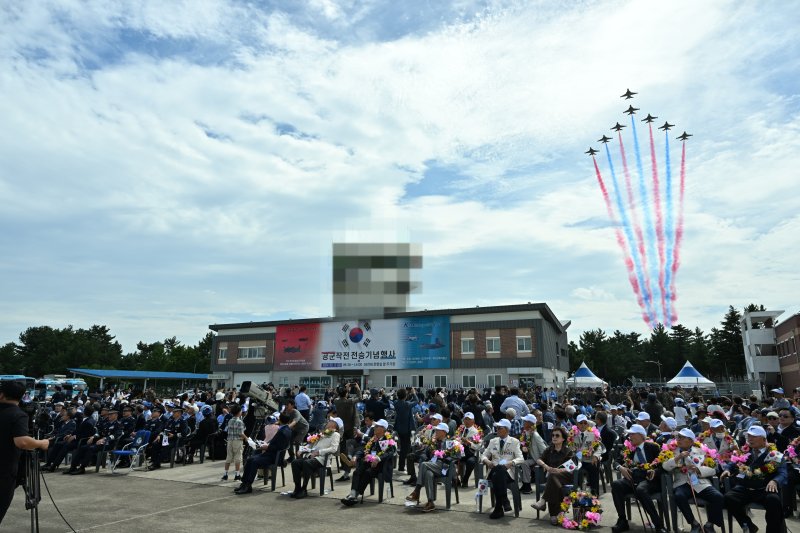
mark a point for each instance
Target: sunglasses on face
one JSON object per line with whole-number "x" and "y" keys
{"x": 772, "y": 418}
{"x": 786, "y": 416}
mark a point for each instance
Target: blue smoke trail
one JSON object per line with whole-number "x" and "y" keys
{"x": 626, "y": 226}
{"x": 647, "y": 209}
{"x": 669, "y": 229}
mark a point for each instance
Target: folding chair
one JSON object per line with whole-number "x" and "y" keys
{"x": 133, "y": 450}
{"x": 515, "y": 494}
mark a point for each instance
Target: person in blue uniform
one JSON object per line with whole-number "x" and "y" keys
{"x": 269, "y": 454}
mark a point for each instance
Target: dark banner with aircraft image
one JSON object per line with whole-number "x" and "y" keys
{"x": 415, "y": 342}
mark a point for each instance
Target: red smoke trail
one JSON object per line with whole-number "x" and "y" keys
{"x": 637, "y": 228}
{"x": 659, "y": 227}
{"x": 676, "y": 254}
{"x": 621, "y": 242}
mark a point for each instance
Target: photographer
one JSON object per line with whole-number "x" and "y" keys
{"x": 13, "y": 438}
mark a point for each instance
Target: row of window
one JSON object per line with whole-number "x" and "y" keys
{"x": 493, "y": 345}
{"x": 256, "y": 352}
{"x": 441, "y": 381}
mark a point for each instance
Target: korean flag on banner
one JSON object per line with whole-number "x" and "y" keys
{"x": 570, "y": 466}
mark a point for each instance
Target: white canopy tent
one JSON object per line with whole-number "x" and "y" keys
{"x": 583, "y": 377}
{"x": 690, "y": 377}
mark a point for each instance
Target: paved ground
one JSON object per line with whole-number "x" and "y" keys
{"x": 192, "y": 499}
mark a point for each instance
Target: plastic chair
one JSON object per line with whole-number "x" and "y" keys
{"x": 515, "y": 493}
{"x": 325, "y": 469}
{"x": 273, "y": 469}
{"x": 661, "y": 497}
{"x": 133, "y": 450}
{"x": 540, "y": 480}
{"x": 673, "y": 506}
{"x": 749, "y": 506}
{"x": 384, "y": 476}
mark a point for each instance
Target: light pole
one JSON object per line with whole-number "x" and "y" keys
{"x": 659, "y": 370}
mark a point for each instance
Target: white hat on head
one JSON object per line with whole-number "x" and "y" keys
{"x": 442, "y": 427}
{"x": 529, "y": 418}
{"x": 437, "y": 416}
{"x": 757, "y": 431}
{"x": 511, "y": 411}
{"x": 636, "y": 428}
{"x": 716, "y": 423}
{"x": 504, "y": 423}
{"x": 382, "y": 423}
{"x": 582, "y": 418}
{"x": 643, "y": 415}
{"x": 469, "y": 415}
{"x": 707, "y": 420}
{"x": 686, "y": 432}
{"x": 671, "y": 422}
{"x": 339, "y": 422}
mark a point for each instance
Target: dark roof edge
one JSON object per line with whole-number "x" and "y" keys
{"x": 547, "y": 313}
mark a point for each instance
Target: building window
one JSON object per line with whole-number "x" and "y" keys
{"x": 494, "y": 380}
{"x": 391, "y": 381}
{"x": 467, "y": 381}
{"x": 493, "y": 344}
{"x": 467, "y": 345}
{"x": 283, "y": 382}
{"x": 523, "y": 344}
{"x": 223, "y": 354}
{"x": 417, "y": 381}
{"x": 254, "y": 352}
{"x": 440, "y": 381}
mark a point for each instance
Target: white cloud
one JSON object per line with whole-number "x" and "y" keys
{"x": 204, "y": 155}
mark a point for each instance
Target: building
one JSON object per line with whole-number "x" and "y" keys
{"x": 787, "y": 333}
{"x": 758, "y": 338}
{"x": 470, "y": 347}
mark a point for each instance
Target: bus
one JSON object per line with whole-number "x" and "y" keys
{"x": 46, "y": 387}
{"x": 30, "y": 383}
{"x": 73, "y": 386}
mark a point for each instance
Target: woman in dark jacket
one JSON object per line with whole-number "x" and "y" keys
{"x": 552, "y": 460}
{"x": 654, "y": 408}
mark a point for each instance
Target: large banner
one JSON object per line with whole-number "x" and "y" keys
{"x": 417, "y": 342}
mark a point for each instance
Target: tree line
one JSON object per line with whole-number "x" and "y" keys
{"x": 45, "y": 350}
{"x": 718, "y": 355}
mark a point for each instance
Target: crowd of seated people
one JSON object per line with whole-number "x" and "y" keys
{"x": 726, "y": 452}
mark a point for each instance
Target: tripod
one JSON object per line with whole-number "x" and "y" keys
{"x": 32, "y": 487}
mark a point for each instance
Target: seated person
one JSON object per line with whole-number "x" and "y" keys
{"x": 319, "y": 455}
{"x": 205, "y": 429}
{"x": 552, "y": 460}
{"x": 690, "y": 476}
{"x": 433, "y": 466}
{"x": 533, "y": 446}
{"x": 418, "y": 447}
{"x": 379, "y": 452}
{"x": 270, "y": 452}
{"x": 501, "y": 456}
{"x": 762, "y": 488}
{"x": 65, "y": 429}
{"x": 354, "y": 446}
{"x": 471, "y": 446}
{"x": 106, "y": 438}
{"x": 589, "y": 449}
{"x": 637, "y": 480}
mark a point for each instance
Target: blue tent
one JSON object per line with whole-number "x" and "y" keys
{"x": 584, "y": 377}
{"x": 689, "y": 376}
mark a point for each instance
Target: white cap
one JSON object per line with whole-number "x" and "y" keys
{"x": 382, "y": 423}
{"x": 442, "y": 427}
{"x": 778, "y": 390}
{"x": 716, "y": 423}
{"x": 511, "y": 411}
{"x": 671, "y": 422}
{"x": 504, "y": 423}
{"x": 707, "y": 420}
{"x": 643, "y": 415}
{"x": 469, "y": 415}
{"x": 437, "y": 416}
{"x": 582, "y": 418}
{"x": 339, "y": 422}
{"x": 636, "y": 428}
{"x": 529, "y": 418}
{"x": 757, "y": 431}
{"x": 686, "y": 432}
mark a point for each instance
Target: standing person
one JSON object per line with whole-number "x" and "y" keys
{"x": 13, "y": 439}
{"x": 403, "y": 426}
{"x": 236, "y": 438}
{"x": 303, "y": 403}
{"x": 346, "y": 410}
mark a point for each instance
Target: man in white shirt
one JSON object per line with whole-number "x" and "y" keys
{"x": 681, "y": 414}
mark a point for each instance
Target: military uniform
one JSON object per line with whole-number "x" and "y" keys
{"x": 109, "y": 433}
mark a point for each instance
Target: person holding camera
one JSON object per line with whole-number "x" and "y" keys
{"x": 13, "y": 439}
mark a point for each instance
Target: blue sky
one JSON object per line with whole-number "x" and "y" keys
{"x": 170, "y": 165}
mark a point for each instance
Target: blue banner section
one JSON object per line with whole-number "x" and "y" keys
{"x": 425, "y": 342}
